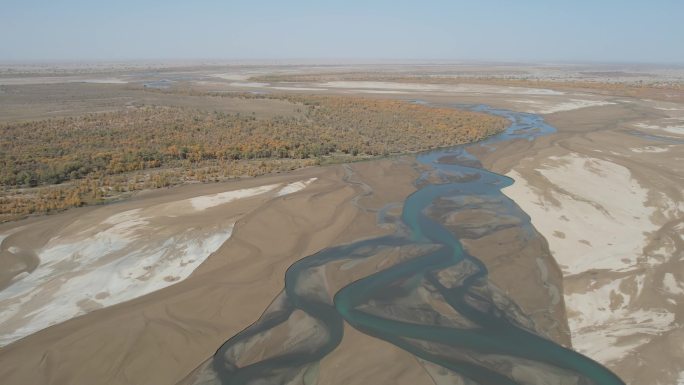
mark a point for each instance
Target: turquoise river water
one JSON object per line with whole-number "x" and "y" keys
{"x": 484, "y": 348}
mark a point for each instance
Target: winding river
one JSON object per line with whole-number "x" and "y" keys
{"x": 484, "y": 337}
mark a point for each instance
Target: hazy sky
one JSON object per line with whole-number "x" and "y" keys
{"x": 512, "y": 30}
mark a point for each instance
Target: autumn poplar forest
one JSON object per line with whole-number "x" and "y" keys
{"x": 51, "y": 164}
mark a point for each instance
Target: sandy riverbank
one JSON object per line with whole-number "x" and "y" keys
{"x": 610, "y": 204}
{"x": 107, "y": 256}
{"x": 170, "y": 331}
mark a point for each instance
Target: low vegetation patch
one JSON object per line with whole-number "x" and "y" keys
{"x": 53, "y": 164}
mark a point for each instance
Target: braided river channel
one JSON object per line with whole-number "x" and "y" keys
{"x": 428, "y": 297}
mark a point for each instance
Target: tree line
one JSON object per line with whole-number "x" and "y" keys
{"x": 88, "y": 158}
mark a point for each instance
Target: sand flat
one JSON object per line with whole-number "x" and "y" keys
{"x": 590, "y": 199}
{"x": 548, "y": 106}
{"x": 609, "y": 204}
{"x": 181, "y": 325}
{"x": 91, "y": 263}
{"x": 421, "y": 87}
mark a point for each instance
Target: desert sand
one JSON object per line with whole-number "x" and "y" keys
{"x": 170, "y": 332}
{"x": 92, "y": 262}
{"x": 610, "y": 205}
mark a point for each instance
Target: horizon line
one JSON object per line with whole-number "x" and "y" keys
{"x": 327, "y": 61}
